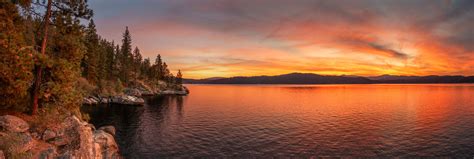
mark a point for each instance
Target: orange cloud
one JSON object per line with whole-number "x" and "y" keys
{"x": 244, "y": 38}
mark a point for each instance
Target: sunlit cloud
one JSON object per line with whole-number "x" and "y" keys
{"x": 210, "y": 38}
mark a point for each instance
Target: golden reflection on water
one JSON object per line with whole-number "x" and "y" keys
{"x": 414, "y": 101}
{"x": 243, "y": 121}
{"x": 361, "y": 118}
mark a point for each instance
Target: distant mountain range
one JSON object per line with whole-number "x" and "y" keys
{"x": 309, "y": 78}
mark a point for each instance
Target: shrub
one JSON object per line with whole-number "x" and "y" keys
{"x": 119, "y": 86}
{"x": 85, "y": 88}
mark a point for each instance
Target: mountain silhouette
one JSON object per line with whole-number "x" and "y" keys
{"x": 309, "y": 78}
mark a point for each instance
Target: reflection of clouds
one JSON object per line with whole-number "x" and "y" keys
{"x": 229, "y": 38}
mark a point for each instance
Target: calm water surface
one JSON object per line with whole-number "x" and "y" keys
{"x": 302, "y": 121}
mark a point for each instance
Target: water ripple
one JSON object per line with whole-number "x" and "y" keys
{"x": 279, "y": 121}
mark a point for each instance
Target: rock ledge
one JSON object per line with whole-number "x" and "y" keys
{"x": 72, "y": 139}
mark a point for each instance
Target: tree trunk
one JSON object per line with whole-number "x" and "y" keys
{"x": 39, "y": 70}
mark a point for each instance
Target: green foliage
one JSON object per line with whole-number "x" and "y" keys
{"x": 61, "y": 62}
{"x": 16, "y": 60}
{"x": 119, "y": 86}
{"x": 157, "y": 69}
{"x": 179, "y": 78}
{"x": 66, "y": 49}
{"x": 85, "y": 88}
{"x": 145, "y": 69}
{"x": 90, "y": 61}
{"x": 137, "y": 60}
{"x": 51, "y": 117}
{"x": 126, "y": 57}
{"x": 77, "y": 62}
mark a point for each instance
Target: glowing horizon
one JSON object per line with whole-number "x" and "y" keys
{"x": 270, "y": 37}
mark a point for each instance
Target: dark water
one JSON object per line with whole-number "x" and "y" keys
{"x": 301, "y": 121}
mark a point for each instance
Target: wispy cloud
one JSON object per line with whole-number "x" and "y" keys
{"x": 224, "y": 38}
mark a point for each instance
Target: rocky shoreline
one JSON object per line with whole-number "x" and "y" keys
{"x": 132, "y": 96}
{"x": 72, "y": 138}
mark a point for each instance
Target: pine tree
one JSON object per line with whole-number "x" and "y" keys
{"x": 165, "y": 72}
{"x": 158, "y": 68}
{"x": 179, "y": 78}
{"x": 117, "y": 62}
{"x": 110, "y": 60}
{"x": 137, "y": 61}
{"x": 65, "y": 50}
{"x": 126, "y": 51}
{"x": 90, "y": 62}
{"x": 61, "y": 54}
{"x": 39, "y": 68}
{"x": 16, "y": 59}
{"x": 146, "y": 69}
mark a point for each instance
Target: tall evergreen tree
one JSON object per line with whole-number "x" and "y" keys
{"x": 179, "y": 78}
{"x": 137, "y": 61}
{"x": 110, "y": 60}
{"x": 158, "y": 68}
{"x": 67, "y": 52}
{"x": 165, "y": 72}
{"x": 127, "y": 57}
{"x": 146, "y": 69}
{"x": 39, "y": 68}
{"x": 117, "y": 63}
{"x": 16, "y": 59}
{"x": 90, "y": 62}
{"x": 65, "y": 48}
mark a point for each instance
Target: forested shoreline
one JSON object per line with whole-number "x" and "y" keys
{"x": 52, "y": 55}
{"x": 51, "y": 60}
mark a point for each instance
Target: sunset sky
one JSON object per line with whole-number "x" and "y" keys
{"x": 218, "y": 38}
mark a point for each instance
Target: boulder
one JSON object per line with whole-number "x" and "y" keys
{"x": 85, "y": 100}
{"x": 147, "y": 93}
{"x": 13, "y": 124}
{"x": 48, "y": 153}
{"x": 178, "y": 91}
{"x": 95, "y": 99}
{"x": 17, "y": 142}
{"x": 48, "y": 134}
{"x": 108, "y": 146}
{"x": 127, "y": 100}
{"x": 141, "y": 89}
{"x": 133, "y": 92}
{"x": 75, "y": 139}
{"x": 59, "y": 141}
{"x": 173, "y": 92}
{"x": 91, "y": 100}
{"x": 72, "y": 138}
{"x": 97, "y": 150}
{"x": 108, "y": 129}
{"x": 104, "y": 100}
{"x": 88, "y": 101}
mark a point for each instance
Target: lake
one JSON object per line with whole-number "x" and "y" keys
{"x": 298, "y": 121}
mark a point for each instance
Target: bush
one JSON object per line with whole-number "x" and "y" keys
{"x": 119, "y": 86}
{"x": 16, "y": 60}
{"x": 85, "y": 88}
{"x": 50, "y": 117}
